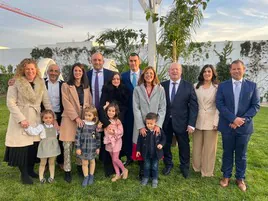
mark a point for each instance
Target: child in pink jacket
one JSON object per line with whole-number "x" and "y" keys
{"x": 113, "y": 139}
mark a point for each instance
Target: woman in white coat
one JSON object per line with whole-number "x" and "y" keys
{"x": 148, "y": 96}
{"x": 23, "y": 101}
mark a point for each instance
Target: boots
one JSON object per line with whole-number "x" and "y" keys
{"x": 68, "y": 177}
{"x": 31, "y": 171}
{"x": 25, "y": 179}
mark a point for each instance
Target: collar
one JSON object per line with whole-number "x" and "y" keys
{"x": 100, "y": 71}
{"x": 48, "y": 80}
{"x": 48, "y": 126}
{"x": 178, "y": 81}
{"x": 137, "y": 73}
{"x": 233, "y": 80}
{"x": 89, "y": 123}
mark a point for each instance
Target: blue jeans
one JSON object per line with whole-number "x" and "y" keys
{"x": 151, "y": 164}
{"x": 234, "y": 144}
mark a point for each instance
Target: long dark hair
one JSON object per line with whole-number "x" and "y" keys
{"x": 84, "y": 79}
{"x": 116, "y": 107}
{"x": 214, "y": 80}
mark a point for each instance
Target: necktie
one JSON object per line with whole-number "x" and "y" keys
{"x": 237, "y": 94}
{"x": 173, "y": 92}
{"x": 96, "y": 87}
{"x": 134, "y": 80}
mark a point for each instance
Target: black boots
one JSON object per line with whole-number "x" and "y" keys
{"x": 68, "y": 177}
{"x": 80, "y": 171}
{"x": 31, "y": 171}
{"x": 25, "y": 178}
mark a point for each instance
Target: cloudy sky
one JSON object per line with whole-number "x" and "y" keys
{"x": 223, "y": 20}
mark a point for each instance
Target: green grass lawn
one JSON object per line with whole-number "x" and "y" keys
{"x": 172, "y": 187}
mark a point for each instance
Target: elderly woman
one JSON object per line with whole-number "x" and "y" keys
{"x": 205, "y": 135}
{"x": 24, "y": 98}
{"x": 75, "y": 97}
{"x": 148, "y": 96}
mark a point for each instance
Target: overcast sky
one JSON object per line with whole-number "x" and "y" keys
{"x": 223, "y": 20}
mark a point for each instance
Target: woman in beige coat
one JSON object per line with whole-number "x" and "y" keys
{"x": 23, "y": 101}
{"x": 205, "y": 136}
{"x": 75, "y": 97}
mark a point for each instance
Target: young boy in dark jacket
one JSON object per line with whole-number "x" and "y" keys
{"x": 150, "y": 147}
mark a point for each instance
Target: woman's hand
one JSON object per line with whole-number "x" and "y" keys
{"x": 156, "y": 130}
{"x": 56, "y": 125}
{"x": 79, "y": 122}
{"x": 24, "y": 124}
{"x": 215, "y": 128}
{"x": 143, "y": 132}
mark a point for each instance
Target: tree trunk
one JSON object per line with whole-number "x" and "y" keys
{"x": 174, "y": 51}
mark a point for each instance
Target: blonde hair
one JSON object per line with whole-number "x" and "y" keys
{"x": 20, "y": 71}
{"x": 92, "y": 110}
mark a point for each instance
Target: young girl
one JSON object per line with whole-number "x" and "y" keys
{"x": 113, "y": 139}
{"x": 87, "y": 144}
{"x": 48, "y": 147}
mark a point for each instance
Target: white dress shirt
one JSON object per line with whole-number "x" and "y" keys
{"x": 137, "y": 76}
{"x": 171, "y": 87}
{"x": 54, "y": 94}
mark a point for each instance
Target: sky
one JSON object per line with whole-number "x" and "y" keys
{"x": 234, "y": 20}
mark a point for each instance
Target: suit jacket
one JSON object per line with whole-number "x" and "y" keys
{"x": 184, "y": 108}
{"x": 208, "y": 115}
{"x": 60, "y": 84}
{"x": 107, "y": 75}
{"x": 71, "y": 110}
{"x": 142, "y": 105}
{"x": 144, "y": 144}
{"x": 248, "y": 106}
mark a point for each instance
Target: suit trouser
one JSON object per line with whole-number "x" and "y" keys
{"x": 60, "y": 158}
{"x": 183, "y": 146}
{"x": 127, "y": 137}
{"x": 204, "y": 151}
{"x": 234, "y": 144}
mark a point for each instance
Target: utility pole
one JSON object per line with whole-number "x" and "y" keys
{"x": 153, "y": 7}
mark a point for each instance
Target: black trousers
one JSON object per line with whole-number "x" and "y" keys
{"x": 183, "y": 147}
{"x": 60, "y": 158}
{"x": 106, "y": 159}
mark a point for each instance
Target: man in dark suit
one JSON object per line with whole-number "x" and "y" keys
{"x": 53, "y": 85}
{"x": 238, "y": 102}
{"x": 181, "y": 114}
{"x": 130, "y": 80}
{"x": 97, "y": 77}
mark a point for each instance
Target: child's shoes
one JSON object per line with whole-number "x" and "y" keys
{"x": 125, "y": 173}
{"x": 50, "y": 180}
{"x": 116, "y": 177}
{"x": 154, "y": 183}
{"x": 85, "y": 181}
{"x": 91, "y": 179}
{"x": 42, "y": 181}
{"x": 144, "y": 181}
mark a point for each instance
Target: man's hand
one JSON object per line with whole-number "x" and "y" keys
{"x": 97, "y": 151}
{"x": 239, "y": 121}
{"x": 190, "y": 130}
{"x": 78, "y": 152}
{"x": 159, "y": 146}
{"x": 143, "y": 132}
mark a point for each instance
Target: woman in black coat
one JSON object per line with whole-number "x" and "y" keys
{"x": 113, "y": 91}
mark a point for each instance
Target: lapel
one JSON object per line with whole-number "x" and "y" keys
{"x": 143, "y": 89}
{"x": 74, "y": 94}
{"x": 128, "y": 79}
{"x": 166, "y": 87}
{"x": 242, "y": 93}
{"x": 205, "y": 102}
{"x": 89, "y": 74}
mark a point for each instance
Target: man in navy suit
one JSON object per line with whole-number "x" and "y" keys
{"x": 181, "y": 114}
{"x": 130, "y": 80}
{"x": 238, "y": 102}
{"x": 103, "y": 76}
{"x": 97, "y": 77}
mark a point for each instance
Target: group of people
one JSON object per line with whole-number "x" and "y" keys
{"x": 134, "y": 115}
